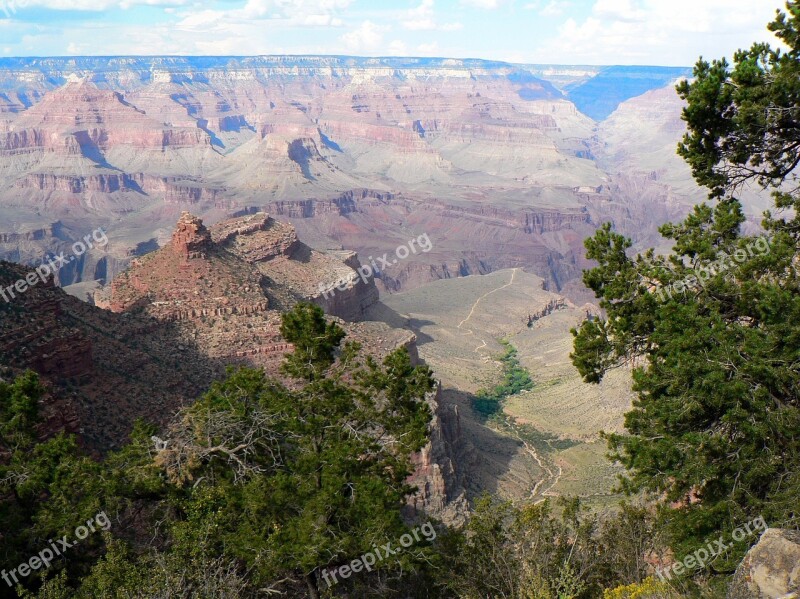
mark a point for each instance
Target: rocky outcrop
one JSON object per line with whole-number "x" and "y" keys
{"x": 101, "y": 370}
{"x": 27, "y": 236}
{"x": 331, "y": 280}
{"x": 549, "y": 308}
{"x": 191, "y": 239}
{"x": 341, "y": 205}
{"x": 205, "y": 300}
{"x": 172, "y": 190}
{"x": 79, "y": 118}
{"x": 178, "y": 190}
{"x": 771, "y": 569}
{"x": 222, "y": 282}
{"x": 108, "y": 183}
{"x": 177, "y": 284}
{"x": 43, "y": 344}
{"x": 439, "y": 493}
{"x": 256, "y": 238}
{"x": 349, "y": 296}
{"x": 191, "y": 278}
{"x": 365, "y": 199}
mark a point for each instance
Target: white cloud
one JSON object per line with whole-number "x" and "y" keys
{"x": 486, "y": 4}
{"x": 659, "y": 32}
{"x": 199, "y": 20}
{"x": 317, "y": 21}
{"x": 423, "y": 10}
{"x": 77, "y": 49}
{"x": 398, "y": 48}
{"x": 430, "y": 49}
{"x": 431, "y": 25}
{"x": 422, "y": 18}
{"x": 553, "y": 8}
{"x": 95, "y": 5}
{"x": 619, "y": 10}
{"x": 420, "y": 25}
{"x": 673, "y": 32}
{"x": 292, "y": 13}
{"x": 366, "y": 38}
{"x": 293, "y": 9}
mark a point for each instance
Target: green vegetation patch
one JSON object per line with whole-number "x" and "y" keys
{"x": 489, "y": 402}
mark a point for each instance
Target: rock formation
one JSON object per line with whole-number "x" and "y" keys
{"x": 771, "y": 569}
{"x": 191, "y": 239}
{"x": 102, "y": 370}
{"x": 496, "y": 164}
{"x": 440, "y": 493}
{"x": 167, "y": 327}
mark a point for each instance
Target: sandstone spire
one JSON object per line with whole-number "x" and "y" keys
{"x": 191, "y": 239}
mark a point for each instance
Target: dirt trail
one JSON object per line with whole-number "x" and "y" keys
{"x": 475, "y": 305}
{"x": 550, "y": 475}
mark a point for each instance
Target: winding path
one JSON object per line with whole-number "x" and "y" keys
{"x": 550, "y": 475}
{"x": 475, "y": 305}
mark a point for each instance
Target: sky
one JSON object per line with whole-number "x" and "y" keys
{"x": 590, "y": 32}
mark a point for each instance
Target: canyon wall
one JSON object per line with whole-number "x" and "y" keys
{"x": 491, "y": 160}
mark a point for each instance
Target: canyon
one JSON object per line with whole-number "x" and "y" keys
{"x": 232, "y": 188}
{"x": 496, "y": 162}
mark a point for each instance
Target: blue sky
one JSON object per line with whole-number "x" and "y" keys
{"x": 655, "y": 32}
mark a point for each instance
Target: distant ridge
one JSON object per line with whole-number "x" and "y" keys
{"x": 595, "y": 90}
{"x": 100, "y": 63}
{"x": 600, "y": 95}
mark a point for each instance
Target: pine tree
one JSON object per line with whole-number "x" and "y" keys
{"x": 714, "y": 329}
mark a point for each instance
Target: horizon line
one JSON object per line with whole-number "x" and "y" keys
{"x": 336, "y": 56}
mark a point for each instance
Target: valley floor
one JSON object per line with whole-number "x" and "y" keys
{"x": 547, "y": 441}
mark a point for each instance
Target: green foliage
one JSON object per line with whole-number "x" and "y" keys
{"x": 48, "y": 488}
{"x": 314, "y": 341}
{"x": 489, "y": 402}
{"x": 288, "y": 480}
{"x": 743, "y": 121}
{"x": 649, "y": 589}
{"x": 254, "y": 488}
{"x": 19, "y": 411}
{"x": 713, "y": 430}
{"x": 531, "y": 553}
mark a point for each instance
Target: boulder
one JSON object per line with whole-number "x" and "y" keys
{"x": 771, "y": 569}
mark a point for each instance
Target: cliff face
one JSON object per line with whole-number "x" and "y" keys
{"x": 43, "y": 343}
{"x": 102, "y": 370}
{"x": 466, "y": 239}
{"x": 172, "y": 323}
{"x": 80, "y": 117}
{"x": 440, "y": 492}
{"x": 226, "y": 285}
{"x": 167, "y": 327}
{"x": 330, "y": 280}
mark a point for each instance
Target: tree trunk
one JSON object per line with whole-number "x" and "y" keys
{"x": 311, "y": 583}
